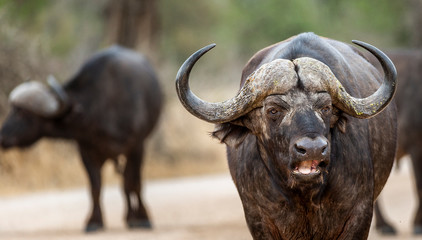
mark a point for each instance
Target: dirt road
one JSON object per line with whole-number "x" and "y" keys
{"x": 187, "y": 208}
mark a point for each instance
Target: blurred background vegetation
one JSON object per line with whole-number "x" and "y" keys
{"x": 40, "y": 37}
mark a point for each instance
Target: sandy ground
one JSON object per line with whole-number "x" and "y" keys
{"x": 205, "y": 207}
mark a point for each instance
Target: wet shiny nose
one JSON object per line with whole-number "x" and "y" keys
{"x": 314, "y": 148}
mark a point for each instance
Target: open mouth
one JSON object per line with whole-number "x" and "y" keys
{"x": 309, "y": 167}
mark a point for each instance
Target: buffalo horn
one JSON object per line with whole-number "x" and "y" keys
{"x": 261, "y": 83}
{"x": 375, "y": 103}
{"x": 356, "y": 107}
{"x": 35, "y": 97}
{"x": 251, "y": 93}
{"x": 61, "y": 95}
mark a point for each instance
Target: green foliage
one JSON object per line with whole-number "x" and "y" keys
{"x": 186, "y": 25}
{"x": 62, "y": 25}
{"x": 24, "y": 11}
{"x": 256, "y": 24}
{"x": 239, "y": 27}
{"x": 246, "y": 26}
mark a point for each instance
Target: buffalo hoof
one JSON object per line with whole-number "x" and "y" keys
{"x": 417, "y": 230}
{"x": 386, "y": 230}
{"x": 145, "y": 224}
{"x": 94, "y": 227}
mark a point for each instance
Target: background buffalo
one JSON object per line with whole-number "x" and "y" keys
{"x": 109, "y": 108}
{"x": 409, "y": 100}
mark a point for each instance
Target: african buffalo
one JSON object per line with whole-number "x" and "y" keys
{"x": 408, "y": 99}
{"x": 307, "y": 161}
{"x": 109, "y": 108}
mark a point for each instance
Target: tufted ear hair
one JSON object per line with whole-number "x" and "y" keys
{"x": 230, "y": 134}
{"x": 35, "y": 97}
{"x": 338, "y": 120}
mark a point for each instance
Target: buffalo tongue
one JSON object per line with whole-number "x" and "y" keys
{"x": 307, "y": 167}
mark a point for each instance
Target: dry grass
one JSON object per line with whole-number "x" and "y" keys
{"x": 47, "y": 164}
{"x": 178, "y": 148}
{"x": 182, "y": 146}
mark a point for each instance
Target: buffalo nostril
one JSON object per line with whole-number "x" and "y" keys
{"x": 300, "y": 149}
{"x": 313, "y": 147}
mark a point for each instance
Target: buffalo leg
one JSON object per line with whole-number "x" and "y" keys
{"x": 93, "y": 168}
{"x": 137, "y": 216}
{"x": 381, "y": 224}
{"x": 416, "y": 157}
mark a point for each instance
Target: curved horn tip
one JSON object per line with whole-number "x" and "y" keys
{"x": 360, "y": 43}
{"x": 205, "y": 49}
{"x": 210, "y": 46}
{"x": 188, "y": 64}
{"x": 51, "y": 80}
{"x": 380, "y": 55}
{"x": 365, "y": 45}
{"x": 390, "y": 76}
{"x": 57, "y": 88}
{"x": 357, "y": 42}
{"x": 369, "y": 47}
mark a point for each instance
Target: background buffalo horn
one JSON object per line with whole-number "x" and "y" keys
{"x": 61, "y": 95}
{"x": 375, "y": 103}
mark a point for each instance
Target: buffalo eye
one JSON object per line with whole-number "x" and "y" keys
{"x": 274, "y": 113}
{"x": 326, "y": 110}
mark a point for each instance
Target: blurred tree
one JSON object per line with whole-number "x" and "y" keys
{"x": 132, "y": 23}
{"x": 414, "y": 8}
{"x": 188, "y": 25}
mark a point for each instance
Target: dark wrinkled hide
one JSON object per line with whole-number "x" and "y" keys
{"x": 408, "y": 99}
{"x": 337, "y": 205}
{"x": 115, "y": 102}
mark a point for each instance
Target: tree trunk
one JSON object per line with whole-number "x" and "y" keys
{"x": 132, "y": 23}
{"x": 415, "y": 7}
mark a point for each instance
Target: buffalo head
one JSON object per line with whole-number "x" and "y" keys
{"x": 291, "y": 106}
{"x": 33, "y": 106}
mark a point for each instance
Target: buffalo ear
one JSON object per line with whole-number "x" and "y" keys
{"x": 342, "y": 123}
{"x": 230, "y": 134}
{"x": 338, "y": 120}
